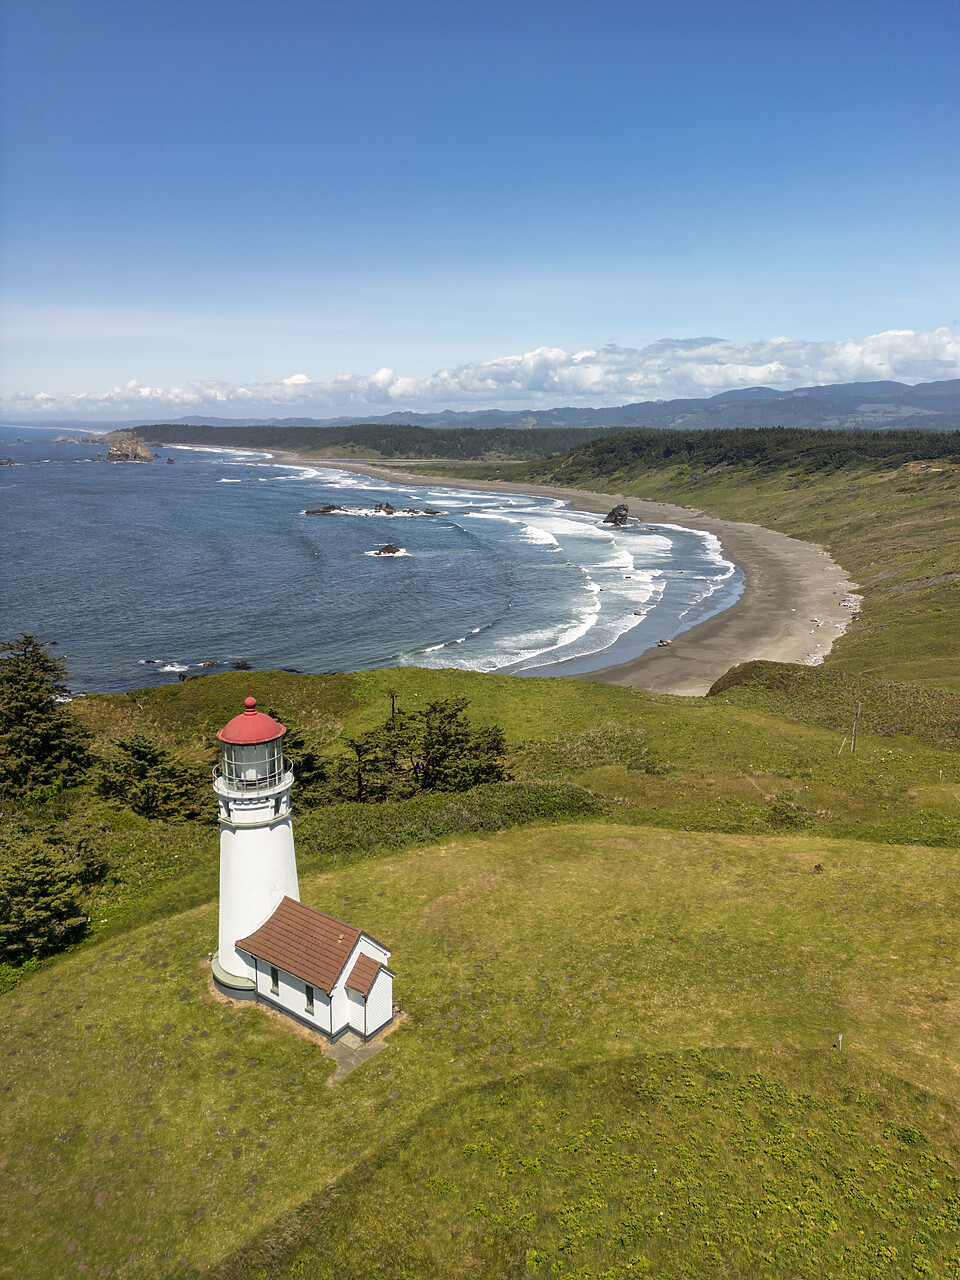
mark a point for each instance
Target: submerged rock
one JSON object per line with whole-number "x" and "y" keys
{"x": 324, "y": 511}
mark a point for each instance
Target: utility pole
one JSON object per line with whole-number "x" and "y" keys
{"x": 856, "y": 726}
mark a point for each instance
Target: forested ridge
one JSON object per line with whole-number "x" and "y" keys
{"x": 588, "y": 451}
{"x": 767, "y": 448}
{"x": 385, "y": 440}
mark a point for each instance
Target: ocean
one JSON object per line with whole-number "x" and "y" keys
{"x": 141, "y": 573}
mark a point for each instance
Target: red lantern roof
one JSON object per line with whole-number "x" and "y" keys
{"x": 251, "y": 726}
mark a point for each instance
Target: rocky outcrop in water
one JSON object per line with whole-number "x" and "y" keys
{"x": 129, "y": 449}
{"x": 381, "y": 509}
{"x": 618, "y": 517}
{"x": 388, "y": 550}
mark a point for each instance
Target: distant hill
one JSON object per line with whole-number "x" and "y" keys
{"x": 842, "y": 406}
{"x": 372, "y": 440}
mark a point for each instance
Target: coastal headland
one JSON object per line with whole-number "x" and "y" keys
{"x": 691, "y": 954}
{"x": 795, "y": 602}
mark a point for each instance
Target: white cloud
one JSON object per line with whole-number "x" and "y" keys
{"x": 545, "y": 377}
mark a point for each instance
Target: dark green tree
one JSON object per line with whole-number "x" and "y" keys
{"x": 436, "y": 749}
{"x": 40, "y": 741}
{"x": 147, "y": 779}
{"x": 368, "y": 773}
{"x": 41, "y": 893}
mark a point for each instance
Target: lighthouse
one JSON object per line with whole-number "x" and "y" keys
{"x": 258, "y": 863}
{"x": 323, "y": 973}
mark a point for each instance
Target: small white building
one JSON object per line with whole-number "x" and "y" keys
{"x": 326, "y": 974}
{"x": 323, "y": 972}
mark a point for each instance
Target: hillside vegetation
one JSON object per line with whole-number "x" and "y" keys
{"x": 384, "y": 440}
{"x": 625, "y": 970}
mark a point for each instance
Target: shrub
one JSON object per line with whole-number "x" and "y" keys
{"x": 350, "y": 831}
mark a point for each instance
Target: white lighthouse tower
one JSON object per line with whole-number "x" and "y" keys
{"x": 258, "y": 864}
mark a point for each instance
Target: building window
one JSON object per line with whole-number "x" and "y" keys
{"x": 309, "y": 991}
{"x": 274, "y": 980}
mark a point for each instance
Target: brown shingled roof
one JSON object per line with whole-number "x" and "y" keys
{"x": 363, "y": 974}
{"x": 312, "y": 946}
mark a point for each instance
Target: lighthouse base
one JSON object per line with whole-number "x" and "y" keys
{"x": 229, "y": 984}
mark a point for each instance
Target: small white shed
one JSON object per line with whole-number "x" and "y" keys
{"x": 323, "y": 972}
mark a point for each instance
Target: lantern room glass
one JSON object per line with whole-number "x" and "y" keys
{"x": 252, "y": 766}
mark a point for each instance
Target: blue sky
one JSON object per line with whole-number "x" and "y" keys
{"x": 205, "y": 201}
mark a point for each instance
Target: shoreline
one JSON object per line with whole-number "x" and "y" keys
{"x": 790, "y": 609}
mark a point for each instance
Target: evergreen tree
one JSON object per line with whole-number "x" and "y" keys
{"x": 149, "y": 780}
{"x": 41, "y": 889}
{"x": 437, "y": 749}
{"x": 40, "y": 741}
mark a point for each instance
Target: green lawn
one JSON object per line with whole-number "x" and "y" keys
{"x": 719, "y": 1162}
{"x": 180, "y": 1128}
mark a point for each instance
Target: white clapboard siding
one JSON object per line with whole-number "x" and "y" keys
{"x": 356, "y": 1012}
{"x": 379, "y": 1002}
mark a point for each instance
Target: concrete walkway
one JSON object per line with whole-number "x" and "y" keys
{"x": 349, "y": 1052}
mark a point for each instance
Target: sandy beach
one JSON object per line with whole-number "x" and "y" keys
{"x": 791, "y": 610}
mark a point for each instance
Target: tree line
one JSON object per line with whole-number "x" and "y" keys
{"x": 766, "y": 448}
{"x": 466, "y": 444}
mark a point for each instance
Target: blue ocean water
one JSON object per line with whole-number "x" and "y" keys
{"x": 140, "y": 572}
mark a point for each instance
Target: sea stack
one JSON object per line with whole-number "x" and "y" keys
{"x": 619, "y": 516}
{"x": 129, "y": 449}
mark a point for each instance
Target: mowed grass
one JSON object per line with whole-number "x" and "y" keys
{"x": 146, "y": 1125}
{"x": 725, "y": 1162}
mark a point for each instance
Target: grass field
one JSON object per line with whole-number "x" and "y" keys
{"x": 691, "y": 1164}
{"x": 173, "y": 1127}
{"x": 624, "y": 974}
{"x": 754, "y": 760}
